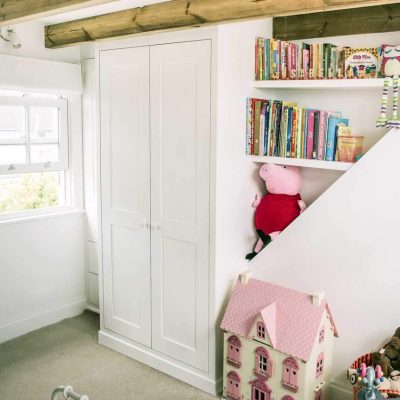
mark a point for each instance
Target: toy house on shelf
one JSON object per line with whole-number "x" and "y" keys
{"x": 278, "y": 343}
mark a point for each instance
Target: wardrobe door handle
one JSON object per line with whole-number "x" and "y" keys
{"x": 144, "y": 224}
{"x": 155, "y": 227}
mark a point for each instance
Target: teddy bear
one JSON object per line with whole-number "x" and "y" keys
{"x": 392, "y": 351}
{"x": 280, "y": 206}
{"x": 381, "y": 359}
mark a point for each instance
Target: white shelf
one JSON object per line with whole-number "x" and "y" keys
{"x": 300, "y": 162}
{"x": 330, "y": 84}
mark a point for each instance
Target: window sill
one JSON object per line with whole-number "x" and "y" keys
{"x": 21, "y": 218}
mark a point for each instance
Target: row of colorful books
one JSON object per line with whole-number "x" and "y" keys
{"x": 282, "y": 129}
{"x": 278, "y": 59}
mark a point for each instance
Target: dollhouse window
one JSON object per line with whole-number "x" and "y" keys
{"x": 290, "y": 374}
{"x": 320, "y": 365}
{"x": 322, "y": 334}
{"x": 260, "y": 390}
{"x": 234, "y": 351}
{"x": 261, "y": 330}
{"x": 263, "y": 363}
{"x": 233, "y": 386}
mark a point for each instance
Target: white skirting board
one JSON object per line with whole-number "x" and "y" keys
{"x": 33, "y": 322}
{"x": 338, "y": 392}
{"x": 157, "y": 361}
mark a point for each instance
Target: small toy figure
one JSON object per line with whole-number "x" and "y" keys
{"x": 280, "y": 206}
{"x": 371, "y": 378}
{"x": 391, "y": 72}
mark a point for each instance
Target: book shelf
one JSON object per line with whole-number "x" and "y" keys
{"x": 301, "y": 162}
{"x": 331, "y": 84}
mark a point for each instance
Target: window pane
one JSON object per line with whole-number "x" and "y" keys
{"x": 12, "y": 122}
{"x": 12, "y": 154}
{"x": 43, "y": 122}
{"x": 31, "y": 191}
{"x": 41, "y": 153}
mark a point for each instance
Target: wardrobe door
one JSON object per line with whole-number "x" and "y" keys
{"x": 180, "y": 157}
{"x": 125, "y": 187}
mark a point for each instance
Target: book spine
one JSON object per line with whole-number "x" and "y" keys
{"x": 257, "y": 115}
{"x": 261, "y": 55}
{"x": 321, "y": 135}
{"x": 289, "y": 133}
{"x": 298, "y": 132}
{"x": 266, "y": 60}
{"x": 330, "y": 140}
{"x": 293, "y": 66}
{"x": 266, "y": 131}
{"x": 257, "y": 62}
{"x": 310, "y": 133}
{"x": 294, "y": 133}
{"x": 316, "y": 134}
{"x": 248, "y": 126}
{"x": 252, "y": 126}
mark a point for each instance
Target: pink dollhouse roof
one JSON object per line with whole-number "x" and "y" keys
{"x": 290, "y": 316}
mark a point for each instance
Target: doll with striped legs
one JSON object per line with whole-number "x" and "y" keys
{"x": 391, "y": 71}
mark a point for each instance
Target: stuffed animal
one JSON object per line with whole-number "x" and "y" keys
{"x": 384, "y": 362}
{"x": 391, "y": 71}
{"x": 280, "y": 206}
{"x": 392, "y": 352}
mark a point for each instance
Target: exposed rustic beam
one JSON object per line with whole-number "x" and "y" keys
{"x": 385, "y": 18}
{"x": 184, "y": 13}
{"x": 14, "y": 11}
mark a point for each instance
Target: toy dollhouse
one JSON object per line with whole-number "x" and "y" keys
{"x": 278, "y": 343}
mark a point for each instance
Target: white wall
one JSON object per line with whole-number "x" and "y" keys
{"x": 333, "y": 251}
{"x": 42, "y": 260}
{"x": 32, "y": 39}
{"x": 41, "y": 273}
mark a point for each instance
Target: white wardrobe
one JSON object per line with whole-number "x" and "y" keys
{"x": 155, "y": 137}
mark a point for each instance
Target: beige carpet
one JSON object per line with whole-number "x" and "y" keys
{"x": 67, "y": 353}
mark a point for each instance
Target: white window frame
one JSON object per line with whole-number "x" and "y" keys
{"x": 63, "y": 141}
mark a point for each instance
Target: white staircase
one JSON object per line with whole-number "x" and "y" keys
{"x": 348, "y": 244}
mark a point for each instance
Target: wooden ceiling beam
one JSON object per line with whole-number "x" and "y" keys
{"x": 385, "y": 18}
{"x": 15, "y": 11}
{"x": 176, "y": 14}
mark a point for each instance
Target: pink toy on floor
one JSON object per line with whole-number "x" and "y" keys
{"x": 280, "y": 206}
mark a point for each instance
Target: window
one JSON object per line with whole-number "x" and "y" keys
{"x": 263, "y": 363}
{"x": 322, "y": 334}
{"x": 234, "y": 353}
{"x": 33, "y": 153}
{"x": 320, "y": 365}
{"x": 290, "y": 374}
{"x": 261, "y": 330}
{"x": 260, "y": 390}
{"x": 233, "y": 388}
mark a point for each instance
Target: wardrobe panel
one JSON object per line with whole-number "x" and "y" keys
{"x": 125, "y": 187}
{"x": 180, "y": 158}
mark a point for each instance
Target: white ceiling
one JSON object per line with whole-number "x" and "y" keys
{"x": 84, "y": 12}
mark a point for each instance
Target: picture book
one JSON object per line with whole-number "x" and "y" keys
{"x": 361, "y": 63}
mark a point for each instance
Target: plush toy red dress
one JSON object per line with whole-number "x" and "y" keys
{"x": 280, "y": 206}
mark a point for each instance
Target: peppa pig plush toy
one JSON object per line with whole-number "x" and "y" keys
{"x": 280, "y": 206}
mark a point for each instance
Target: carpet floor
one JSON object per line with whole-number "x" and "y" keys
{"x": 67, "y": 353}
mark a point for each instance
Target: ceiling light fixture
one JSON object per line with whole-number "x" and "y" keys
{"x": 8, "y": 34}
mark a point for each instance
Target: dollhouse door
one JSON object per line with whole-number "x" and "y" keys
{"x": 318, "y": 395}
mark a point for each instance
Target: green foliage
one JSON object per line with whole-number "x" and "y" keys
{"x": 29, "y": 191}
